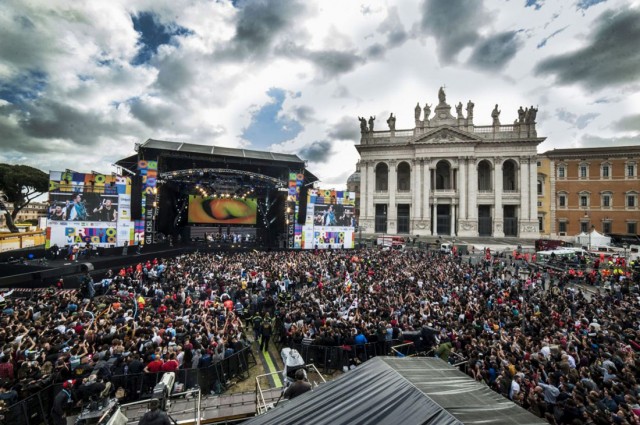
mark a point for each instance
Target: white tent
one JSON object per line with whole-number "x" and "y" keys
{"x": 594, "y": 239}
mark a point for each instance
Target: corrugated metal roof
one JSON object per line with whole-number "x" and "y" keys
{"x": 219, "y": 150}
{"x": 390, "y": 390}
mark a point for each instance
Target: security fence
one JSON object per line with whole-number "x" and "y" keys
{"x": 331, "y": 358}
{"x": 213, "y": 379}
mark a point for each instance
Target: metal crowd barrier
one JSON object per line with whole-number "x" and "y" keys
{"x": 36, "y": 409}
{"x": 332, "y": 358}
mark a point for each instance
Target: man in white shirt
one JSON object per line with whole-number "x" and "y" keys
{"x": 515, "y": 387}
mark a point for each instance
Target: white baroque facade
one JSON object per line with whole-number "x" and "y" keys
{"x": 449, "y": 177}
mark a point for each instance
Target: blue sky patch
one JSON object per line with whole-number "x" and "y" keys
{"x": 266, "y": 127}
{"x": 585, "y": 4}
{"x": 153, "y": 35}
{"x": 24, "y": 87}
{"x": 537, "y": 4}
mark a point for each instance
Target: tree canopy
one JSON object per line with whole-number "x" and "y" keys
{"x": 21, "y": 184}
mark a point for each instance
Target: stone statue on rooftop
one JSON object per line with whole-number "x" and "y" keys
{"x": 363, "y": 124}
{"x": 470, "y": 106}
{"x": 532, "y": 115}
{"x": 521, "y": 115}
{"x": 442, "y": 97}
{"x": 417, "y": 111}
{"x": 459, "y": 110}
{"x": 391, "y": 121}
{"x": 427, "y": 111}
{"x": 371, "y": 120}
{"x": 495, "y": 114}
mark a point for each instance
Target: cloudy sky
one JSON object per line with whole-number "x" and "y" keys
{"x": 81, "y": 81}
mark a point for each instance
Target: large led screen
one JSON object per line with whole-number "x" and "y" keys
{"x": 90, "y": 207}
{"x": 222, "y": 210}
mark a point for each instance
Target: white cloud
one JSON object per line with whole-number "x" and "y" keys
{"x": 69, "y": 95}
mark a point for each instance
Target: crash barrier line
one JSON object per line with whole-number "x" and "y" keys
{"x": 36, "y": 409}
{"x": 331, "y": 358}
{"x": 197, "y": 409}
{"x": 396, "y": 349}
{"x": 261, "y": 403}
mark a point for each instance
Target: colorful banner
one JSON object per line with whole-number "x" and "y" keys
{"x": 148, "y": 170}
{"x": 69, "y": 233}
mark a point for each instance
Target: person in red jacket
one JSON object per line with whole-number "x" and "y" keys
{"x": 171, "y": 365}
{"x": 155, "y": 365}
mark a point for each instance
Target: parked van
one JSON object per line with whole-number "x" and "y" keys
{"x": 446, "y": 248}
{"x": 607, "y": 251}
{"x": 395, "y": 242}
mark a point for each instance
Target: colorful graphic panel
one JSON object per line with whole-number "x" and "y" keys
{"x": 330, "y": 220}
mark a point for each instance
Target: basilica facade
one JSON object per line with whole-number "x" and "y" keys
{"x": 448, "y": 176}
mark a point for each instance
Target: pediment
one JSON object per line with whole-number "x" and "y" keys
{"x": 446, "y": 135}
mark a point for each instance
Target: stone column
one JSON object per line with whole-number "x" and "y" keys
{"x": 498, "y": 213}
{"x": 467, "y": 223}
{"x": 533, "y": 191}
{"x": 426, "y": 194}
{"x": 363, "y": 190}
{"x": 472, "y": 184}
{"x": 392, "y": 211}
{"x": 524, "y": 190}
{"x": 434, "y": 218}
{"x": 416, "y": 194}
{"x": 452, "y": 230}
{"x": 529, "y": 228}
{"x": 371, "y": 210}
{"x": 462, "y": 185}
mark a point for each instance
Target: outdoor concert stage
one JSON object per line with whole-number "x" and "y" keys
{"x": 196, "y": 191}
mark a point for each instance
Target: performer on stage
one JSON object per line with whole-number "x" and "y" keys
{"x": 105, "y": 212}
{"x": 57, "y": 213}
{"x": 77, "y": 210}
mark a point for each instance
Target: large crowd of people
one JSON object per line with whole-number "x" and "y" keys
{"x": 564, "y": 355}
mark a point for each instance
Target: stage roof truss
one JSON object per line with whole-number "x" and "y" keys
{"x": 201, "y": 172}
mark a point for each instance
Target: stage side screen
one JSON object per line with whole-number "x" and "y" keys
{"x": 93, "y": 208}
{"x": 330, "y": 220}
{"x": 222, "y": 210}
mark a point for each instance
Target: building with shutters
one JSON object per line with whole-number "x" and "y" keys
{"x": 594, "y": 189}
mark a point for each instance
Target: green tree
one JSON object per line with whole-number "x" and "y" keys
{"x": 21, "y": 184}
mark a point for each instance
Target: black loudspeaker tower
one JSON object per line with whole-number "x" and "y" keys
{"x": 302, "y": 209}
{"x": 136, "y": 198}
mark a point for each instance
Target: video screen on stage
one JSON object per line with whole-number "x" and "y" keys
{"x": 332, "y": 215}
{"x": 214, "y": 210}
{"x": 330, "y": 220}
{"x": 83, "y": 207}
{"x": 88, "y": 207}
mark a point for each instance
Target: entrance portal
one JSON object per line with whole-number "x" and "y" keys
{"x": 443, "y": 215}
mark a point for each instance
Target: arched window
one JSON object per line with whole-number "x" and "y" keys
{"x": 540, "y": 187}
{"x": 443, "y": 175}
{"x": 484, "y": 176}
{"x": 509, "y": 176}
{"x": 382, "y": 177}
{"x": 404, "y": 177}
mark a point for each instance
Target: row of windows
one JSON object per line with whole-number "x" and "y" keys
{"x": 606, "y": 200}
{"x": 606, "y": 170}
{"x": 632, "y": 227}
{"x": 444, "y": 177}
